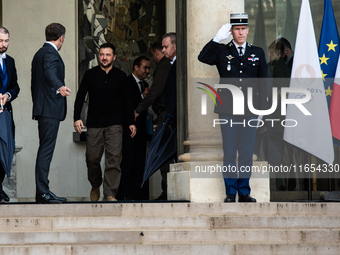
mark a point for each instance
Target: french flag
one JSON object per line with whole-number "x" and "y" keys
{"x": 334, "y": 109}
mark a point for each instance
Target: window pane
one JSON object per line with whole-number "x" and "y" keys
{"x": 281, "y": 18}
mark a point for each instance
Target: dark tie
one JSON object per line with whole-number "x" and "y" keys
{"x": 142, "y": 88}
{"x": 3, "y": 77}
{"x": 241, "y": 53}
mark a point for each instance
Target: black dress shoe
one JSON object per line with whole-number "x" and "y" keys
{"x": 3, "y": 196}
{"x": 246, "y": 199}
{"x": 55, "y": 197}
{"x": 46, "y": 199}
{"x": 230, "y": 199}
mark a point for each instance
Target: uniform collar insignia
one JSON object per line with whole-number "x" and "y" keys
{"x": 230, "y": 44}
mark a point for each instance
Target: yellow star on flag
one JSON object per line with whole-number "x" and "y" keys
{"x": 323, "y": 60}
{"x": 331, "y": 46}
{"x": 328, "y": 91}
{"x": 323, "y": 75}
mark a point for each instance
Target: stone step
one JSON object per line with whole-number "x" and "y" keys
{"x": 232, "y": 236}
{"x": 170, "y": 228}
{"x": 168, "y": 209}
{"x": 291, "y": 222}
{"x": 60, "y": 224}
{"x": 167, "y": 216}
{"x": 94, "y": 223}
{"x": 185, "y": 249}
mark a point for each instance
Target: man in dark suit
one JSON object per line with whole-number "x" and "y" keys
{"x": 288, "y": 55}
{"x": 169, "y": 50}
{"x": 9, "y": 90}
{"x": 154, "y": 96}
{"x": 134, "y": 149}
{"x": 49, "y": 105}
{"x": 239, "y": 60}
{"x": 170, "y": 91}
{"x": 277, "y": 69}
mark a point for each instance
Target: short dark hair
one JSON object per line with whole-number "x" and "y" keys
{"x": 4, "y": 30}
{"x": 138, "y": 60}
{"x": 108, "y": 45}
{"x": 53, "y": 31}
{"x": 172, "y": 36}
{"x": 277, "y": 47}
{"x": 285, "y": 42}
{"x": 157, "y": 46}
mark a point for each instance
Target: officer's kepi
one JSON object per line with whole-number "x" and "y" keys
{"x": 237, "y": 19}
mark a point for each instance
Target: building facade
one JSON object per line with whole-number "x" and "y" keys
{"x": 195, "y": 21}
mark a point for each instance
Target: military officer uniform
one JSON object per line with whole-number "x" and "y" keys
{"x": 241, "y": 68}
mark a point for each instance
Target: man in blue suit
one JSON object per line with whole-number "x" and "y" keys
{"x": 49, "y": 106}
{"x": 9, "y": 90}
{"x": 238, "y": 60}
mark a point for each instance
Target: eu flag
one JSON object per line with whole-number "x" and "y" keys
{"x": 328, "y": 48}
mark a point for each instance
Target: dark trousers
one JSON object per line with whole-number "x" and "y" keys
{"x": 165, "y": 169}
{"x": 2, "y": 175}
{"x": 133, "y": 162}
{"x": 239, "y": 137}
{"x": 110, "y": 140}
{"x": 161, "y": 117}
{"x": 48, "y": 132}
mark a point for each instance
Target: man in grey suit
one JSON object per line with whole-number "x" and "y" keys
{"x": 49, "y": 106}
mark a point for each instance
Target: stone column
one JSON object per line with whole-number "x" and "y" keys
{"x": 204, "y": 18}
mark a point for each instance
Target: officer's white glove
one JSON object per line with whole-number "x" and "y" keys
{"x": 223, "y": 33}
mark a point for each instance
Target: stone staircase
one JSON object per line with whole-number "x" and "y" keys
{"x": 170, "y": 228}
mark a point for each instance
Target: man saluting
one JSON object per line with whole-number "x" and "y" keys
{"x": 238, "y": 60}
